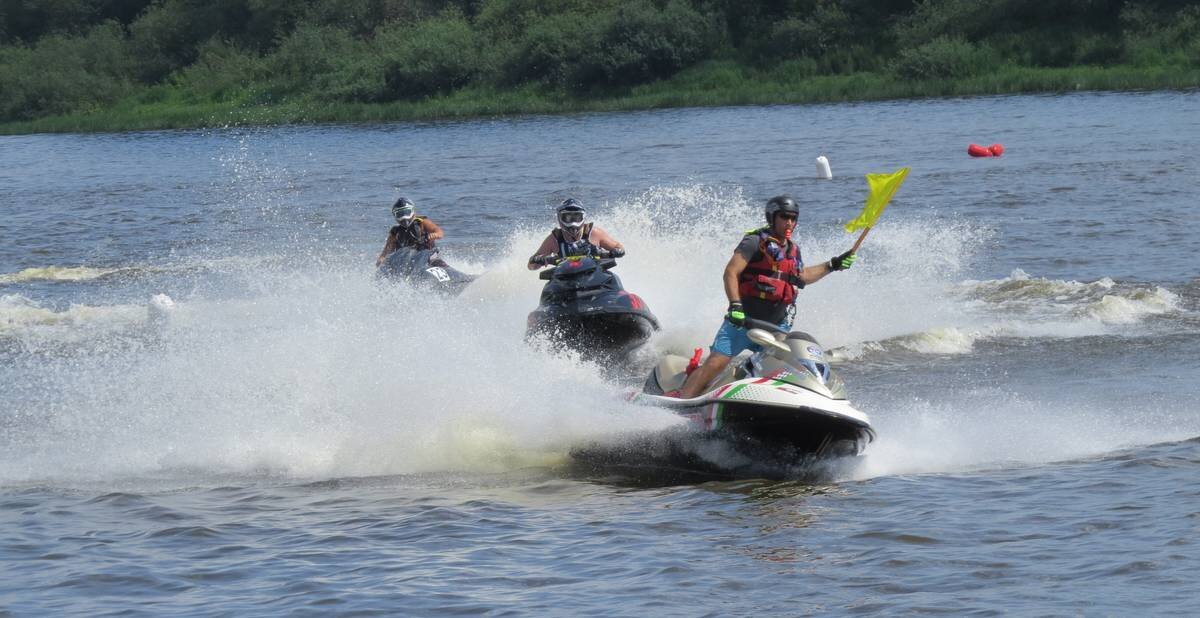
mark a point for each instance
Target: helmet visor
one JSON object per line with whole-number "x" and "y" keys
{"x": 571, "y": 218}
{"x": 403, "y": 213}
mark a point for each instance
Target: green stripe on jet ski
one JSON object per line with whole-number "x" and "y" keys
{"x": 733, "y": 391}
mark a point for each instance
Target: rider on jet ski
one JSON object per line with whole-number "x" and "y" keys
{"x": 761, "y": 280}
{"x": 409, "y": 231}
{"x": 573, "y": 237}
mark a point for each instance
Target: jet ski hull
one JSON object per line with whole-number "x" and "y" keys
{"x": 773, "y": 413}
{"x": 774, "y": 417}
{"x": 592, "y": 326}
{"x": 425, "y": 270}
{"x": 584, "y": 306}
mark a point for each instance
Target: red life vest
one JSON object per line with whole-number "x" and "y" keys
{"x": 774, "y": 271}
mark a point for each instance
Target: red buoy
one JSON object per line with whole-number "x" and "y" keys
{"x": 975, "y": 150}
{"x": 996, "y": 149}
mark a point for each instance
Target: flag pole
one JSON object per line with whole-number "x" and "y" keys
{"x": 861, "y": 238}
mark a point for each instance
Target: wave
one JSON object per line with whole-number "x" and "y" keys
{"x": 21, "y": 316}
{"x": 1024, "y": 307}
{"x": 198, "y": 266}
{"x": 1103, "y": 300}
{"x": 58, "y": 273}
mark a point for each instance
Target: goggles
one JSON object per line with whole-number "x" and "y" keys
{"x": 571, "y": 217}
{"x": 787, "y": 215}
{"x": 404, "y": 213}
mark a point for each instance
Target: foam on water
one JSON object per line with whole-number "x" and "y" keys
{"x": 24, "y": 318}
{"x": 311, "y": 368}
{"x": 325, "y": 372}
{"x": 991, "y": 428}
{"x": 56, "y": 273}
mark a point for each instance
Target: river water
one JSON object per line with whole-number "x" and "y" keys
{"x": 294, "y": 437}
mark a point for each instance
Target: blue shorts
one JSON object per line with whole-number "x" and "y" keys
{"x": 732, "y": 340}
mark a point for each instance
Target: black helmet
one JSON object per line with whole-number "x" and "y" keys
{"x": 781, "y": 203}
{"x": 403, "y": 210}
{"x": 571, "y": 214}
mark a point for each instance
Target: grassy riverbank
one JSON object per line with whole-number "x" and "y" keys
{"x": 714, "y": 83}
{"x": 100, "y": 65}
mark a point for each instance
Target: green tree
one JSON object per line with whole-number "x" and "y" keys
{"x": 435, "y": 55}
{"x": 642, "y": 42}
{"x": 62, "y": 74}
{"x": 944, "y": 58}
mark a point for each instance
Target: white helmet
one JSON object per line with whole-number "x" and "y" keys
{"x": 570, "y": 215}
{"x": 404, "y": 210}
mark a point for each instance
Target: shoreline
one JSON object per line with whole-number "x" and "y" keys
{"x": 711, "y": 84}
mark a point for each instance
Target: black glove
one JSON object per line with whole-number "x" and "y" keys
{"x": 542, "y": 260}
{"x": 843, "y": 261}
{"x": 616, "y": 253}
{"x": 735, "y": 314}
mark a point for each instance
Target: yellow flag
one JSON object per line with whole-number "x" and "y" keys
{"x": 883, "y": 187}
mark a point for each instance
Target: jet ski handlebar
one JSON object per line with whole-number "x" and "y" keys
{"x": 608, "y": 254}
{"x": 552, "y": 259}
{"x": 767, "y": 326}
{"x": 602, "y": 258}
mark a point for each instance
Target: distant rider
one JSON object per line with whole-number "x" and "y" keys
{"x": 761, "y": 280}
{"x": 573, "y": 237}
{"x": 409, "y": 231}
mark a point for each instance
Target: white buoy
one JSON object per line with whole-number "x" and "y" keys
{"x": 823, "y": 170}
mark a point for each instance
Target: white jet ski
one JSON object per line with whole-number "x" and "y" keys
{"x": 783, "y": 402}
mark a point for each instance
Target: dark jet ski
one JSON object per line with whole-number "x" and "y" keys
{"x": 584, "y": 305}
{"x": 424, "y": 269}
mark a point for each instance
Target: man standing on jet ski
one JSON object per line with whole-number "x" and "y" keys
{"x": 761, "y": 280}
{"x": 573, "y": 237}
{"x": 409, "y": 231}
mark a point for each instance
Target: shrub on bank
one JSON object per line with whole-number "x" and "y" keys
{"x": 220, "y": 73}
{"x": 61, "y": 74}
{"x": 944, "y": 58}
{"x": 434, "y": 56}
{"x": 1152, "y": 38}
{"x": 640, "y": 42}
{"x": 631, "y": 43}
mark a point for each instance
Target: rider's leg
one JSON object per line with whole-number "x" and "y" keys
{"x": 695, "y": 383}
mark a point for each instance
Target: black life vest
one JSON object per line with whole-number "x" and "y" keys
{"x": 773, "y": 275}
{"x": 583, "y": 246}
{"x": 411, "y": 235}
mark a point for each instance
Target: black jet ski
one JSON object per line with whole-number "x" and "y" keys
{"x": 424, "y": 269}
{"x": 584, "y": 305}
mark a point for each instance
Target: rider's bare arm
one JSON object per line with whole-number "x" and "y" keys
{"x": 814, "y": 273}
{"x": 432, "y": 231}
{"x": 604, "y": 240}
{"x": 733, "y": 270}
{"x": 388, "y": 247}
{"x": 548, "y": 247}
